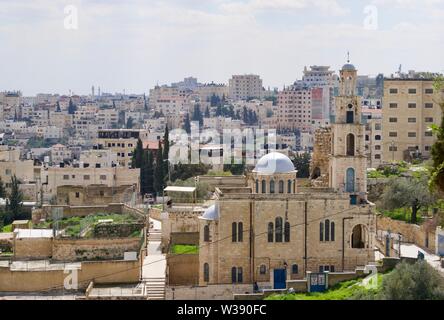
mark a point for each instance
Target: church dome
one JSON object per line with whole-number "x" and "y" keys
{"x": 274, "y": 162}
{"x": 348, "y": 67}
{"x": 212, "y": 213}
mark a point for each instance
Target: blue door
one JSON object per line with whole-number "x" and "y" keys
{"x": 350, "y": 180}
{"x": 280, "y": 278}
{"x": 318, "y": 282}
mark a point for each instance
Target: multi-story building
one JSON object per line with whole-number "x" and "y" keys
{"x": 373, "y": 136}
{"x": 243, "y": 87}
{"x": 60, "y": 153}
{"x": 107, "y": 117}
{"x": 409, "y": 109}
{"x": 294, "y": 109}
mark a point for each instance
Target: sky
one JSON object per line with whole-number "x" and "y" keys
{"x": 132, "y": 45}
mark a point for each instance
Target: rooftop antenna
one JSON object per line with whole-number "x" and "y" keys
{"x": 348, "y": 56}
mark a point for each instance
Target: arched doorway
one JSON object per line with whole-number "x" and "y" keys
{"x": 359, "y": 237}
{"x": 350, "y": 180}
{"x": 316, "y": 173}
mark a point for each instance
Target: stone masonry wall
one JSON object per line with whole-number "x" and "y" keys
{"x": 120, "y": 230}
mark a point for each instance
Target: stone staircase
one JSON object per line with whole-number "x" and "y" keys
{"x": 155, "y": 235}
{"x": 155, "y": 288}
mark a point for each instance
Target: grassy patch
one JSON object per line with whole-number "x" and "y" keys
{"x": 7, "y": 228}
{"x": 341, "y": 291}
{"x": 184, "y": 249}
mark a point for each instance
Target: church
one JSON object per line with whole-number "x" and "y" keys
{"x": 273, "y": 230}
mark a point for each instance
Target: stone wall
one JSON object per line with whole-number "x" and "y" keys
{"x": 211, "y": 292}
{"x": 183, "y": 269}
{"x": 32, "y": 248}
{"x": 321, "y": 152}
{"x": 191, "y": 238}
{"x": 423, "y": 236}
{"x": 101, "y": 272}
{"x": 116, "y": 230}
{"x": 93, "y": 249}
{"x": 6, "y": 241}
{"x": 223, "y": 181}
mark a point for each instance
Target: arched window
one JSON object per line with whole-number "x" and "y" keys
{"x": 270, "y": 232}
{"x": 264, "y": 186}
{"x": 287, "y": 232}
{"x": 359, "y": 235}
{"x": 321, "y": 231}
{"x": 207, "y": 233}
{"x": 263, "y": 269}
{"x": 233, "y": 275}
{"x": 350, "y": 180}
{"x": 350, "y": 144}
{"x": 257, "y": 186}
{"x": 332, "y": 231}
{"x": 289, "y": 186}
{"x": 278, "y": 225}
{"x": 295, "y": 269}
{"x": 327, "y": 230}
{"x": 272, "y": 186}
{"x": 281, "y": 186}
{"x": 206, "y": 272}
{"x": 240, "y": 232}
{"x": 294, "y": 186}
{"x": 240, "y": 275}
{"x": 234, "y": 232}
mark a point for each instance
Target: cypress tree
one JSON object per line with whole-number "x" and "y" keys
{"x": 14, "y": 201}
{"x": 159, "y": 175}
{"x": 2, "y": 189}
{"x": 187, "y": 124}
{"x": 166, "y": 150}
{"x": 71, "y": 107}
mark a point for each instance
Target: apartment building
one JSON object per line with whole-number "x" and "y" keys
{"x": 294, "y": 109}
{"x": 373, "y": 136}
{"x": 107, "y": 117}
{"x": 60, "y": 153}
{"x": 409, "y": 109}
{"x": 243, "y": 87}
{"x": 11, "y": 164}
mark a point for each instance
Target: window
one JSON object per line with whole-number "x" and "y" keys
{"x": 278, "y": 230}
{"x": 206, "y": 270}
{"x": 429, "y": 134}
{"x": 207, "y": 233}
{"x": 294, "y": 269}
{"x": 412, "y": 134}
{"x": 86, "y": 177}
{"x": 327, "y": 230}
{"x": 428, "y": 119}
{"x": 377, "y": 156}
{"x": 412, "y": 105}
{"x": 393, "y": 91}
{"x": 367, "y": 137}
{"x": 263, "y": 269}
{"x": 393, "y": 105}
{"x": 287, "y": 232}
{"x": 393, "y": 120}
{"x": 240, "y": 275}
{"x": 289, "y": 186}
{"x": 234, "y": 232}
{"x": 350, "y": 145}
{"x": 102, "y": 177}
{"x": 427, "y": 148}
{"x": 393, "y": 134}
{"x": 240, "y": 232}
{"x": 257, "y": 186}
{"x": 233, "y": 275}
{"x": 350, "y": 117}
{"x": 8, "y": 172}
{"x": 412, "y": 120}
{"x": 377, "y": 147}
{"x": 393, "y": 148}
{"x": 77, "y": 195}
{"x": 66, "y": 177}
{"x": 270, "y": 232}
{"x": 281, "y": 186}
{"x": 321, "y": 231}
{"x": 428, "y": 105}
{"x": 429, "y": 91}
{"x": 378, "y": 126}
{"x": 377, "y": 137}
{"x": 264, "y": 186}
{"x": 272, "y": 186}
{"x": 412, "y": 91}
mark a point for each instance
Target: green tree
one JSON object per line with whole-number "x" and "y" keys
{"x": 417, "y": 281}
{"x": 197, "y": 114}
{"x": 2, "y": 190}
{"x": 302, "y": 164}
{"x": 72, "y": 108}
{"x": 137, "y": 158}
{"x": 130, "y": 123}
{"x": 411, "y": 193}
{"x": 146, "y": 173}
{"x": 187, "y": 124}
{"x": 159, "y": 176}
{"x": 14, "y": 202}
{"x": 207, "y": 112}
{"x": 437, "y": 178}
{"x": 166, "y": 152}
{"x": 58, "y": 107}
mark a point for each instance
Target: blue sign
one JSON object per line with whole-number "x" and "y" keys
{"x": 317, "y": 282}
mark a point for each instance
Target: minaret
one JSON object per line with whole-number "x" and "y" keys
{"x": 348, "y": 162}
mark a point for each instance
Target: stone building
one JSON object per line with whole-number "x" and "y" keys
{"x": 272, "y": 231}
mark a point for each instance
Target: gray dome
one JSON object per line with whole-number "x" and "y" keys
{"x": 212, "y": 213}
{"x": 274, "y": 162}
{"x": 348, "y": 67}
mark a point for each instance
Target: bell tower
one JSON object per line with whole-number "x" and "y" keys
{"x": 348, "y": 162}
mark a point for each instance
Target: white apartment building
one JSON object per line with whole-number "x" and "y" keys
{"x": 243, "y": 87}
{"x": 373, "y": 136}
{"x": 294, "y": 109}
